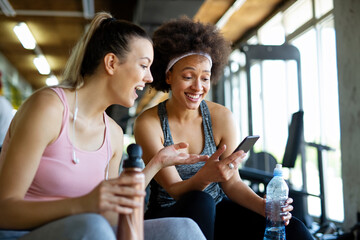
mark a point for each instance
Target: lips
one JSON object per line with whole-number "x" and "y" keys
{"x": 138, "y": 88}
{"x": 193, "y": 96}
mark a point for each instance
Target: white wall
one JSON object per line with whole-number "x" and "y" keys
{"x": 347, "y": 25}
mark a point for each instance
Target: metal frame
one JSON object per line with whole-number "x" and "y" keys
{"x": 286, "y": 52}
{"x": 274, "y": 52}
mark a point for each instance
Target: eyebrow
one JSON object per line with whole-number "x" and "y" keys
{"x": 192, "y": 68}
{"x": 147, "y": 58}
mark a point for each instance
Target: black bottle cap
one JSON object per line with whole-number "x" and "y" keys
{"x": 134, "y": 160}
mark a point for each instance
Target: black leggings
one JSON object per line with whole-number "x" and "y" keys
{"x": 196, "y": 205}
{"x": 226, "y": 220}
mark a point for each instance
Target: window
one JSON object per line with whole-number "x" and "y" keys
{"x": 297, "y": 15}
{"x": 308, "y": 25}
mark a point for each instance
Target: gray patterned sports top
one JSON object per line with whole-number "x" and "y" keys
{"x": 158, "y": 196}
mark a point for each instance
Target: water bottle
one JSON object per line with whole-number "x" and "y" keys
{"x": 131, "y": 226}
{"x": 276, "y": 194}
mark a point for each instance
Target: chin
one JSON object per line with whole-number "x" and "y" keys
{"x": 131, "y": 104}
{"x": 127, "y": 104}
{"x": 193, "y": 106}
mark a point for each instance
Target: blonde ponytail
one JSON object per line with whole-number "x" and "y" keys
{"x": 72, "y": 77}
{"x": 105, "y": 35}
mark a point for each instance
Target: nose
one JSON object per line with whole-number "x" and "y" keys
{"x": 197, "y": 85}
{"x": 148, "y": 78}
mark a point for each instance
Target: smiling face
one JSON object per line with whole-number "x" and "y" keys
{"x": 134, "y": 71}
{"x": 190, "y": 80}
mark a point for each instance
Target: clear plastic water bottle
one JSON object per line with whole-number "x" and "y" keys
{"x": 276, "y": 194}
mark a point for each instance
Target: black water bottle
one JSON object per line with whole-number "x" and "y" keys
{"x": 131, "y": 226}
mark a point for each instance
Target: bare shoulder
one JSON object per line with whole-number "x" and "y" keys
{"x": 44, "y": 105}
{"x": 45, "y": 97}
{"x": 39, "y": 117}
{"x": 222, "y": 120}
{"x": 147, "y": 128}
{"x": 115, "y": 129}
{"x": 148, "y": 114}
{"x": 116, "y": 136}
{"x": 219, "y": 112}
{"x": 148, "y": 117}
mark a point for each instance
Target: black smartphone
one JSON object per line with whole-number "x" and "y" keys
{"x": 247, "y": 143}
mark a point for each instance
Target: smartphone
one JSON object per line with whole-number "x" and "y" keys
{"x": 247, "y": 143}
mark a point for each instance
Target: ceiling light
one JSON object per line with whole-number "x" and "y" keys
{"x": 88, "y": 8}
{"x": 24, "y": 35}
{"x": 7, "y": 9}
{"x": 236, "y": 6}
{"x": 52, "y": 80}
{"x": 42, "y": 65}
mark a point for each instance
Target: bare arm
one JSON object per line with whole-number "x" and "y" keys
{"x": 149, "y": 135}
{"x": 169, "y": 156}
{"x": 224, "y": 127}
{"x": 166, "y": 177}
{"x": 117, "y": 142}
{"x": 36, "y": 125}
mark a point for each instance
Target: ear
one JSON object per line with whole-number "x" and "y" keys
{"x": 168, "y": 78}
{"x": 110, "y": 61}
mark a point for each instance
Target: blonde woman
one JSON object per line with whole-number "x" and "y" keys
{"x": 60, "y": 159}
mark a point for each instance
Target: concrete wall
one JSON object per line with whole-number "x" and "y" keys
{"x": 347, "y": 25}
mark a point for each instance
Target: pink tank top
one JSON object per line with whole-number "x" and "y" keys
{"x": 57, "y": 176}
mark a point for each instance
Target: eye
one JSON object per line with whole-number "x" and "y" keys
{"x": 205, "y": 77}
{"x": 144, "y": 66}
{"x": 187, "y": 76}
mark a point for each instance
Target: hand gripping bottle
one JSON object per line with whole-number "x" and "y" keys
{"x": 276, "y": 194}
{"x": 131, "y": 226}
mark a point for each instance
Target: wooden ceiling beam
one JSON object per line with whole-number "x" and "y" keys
{"x": 212, "y": 10}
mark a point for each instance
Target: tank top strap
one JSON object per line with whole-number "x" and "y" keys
{"x": 210, "y": 146}
{"x": 165, "y": 124}
{"x": 61, "y": 94}
{"x": 108, "y": 144}
{"x": 159, "y": 198}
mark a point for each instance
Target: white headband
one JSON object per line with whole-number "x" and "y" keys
{"x": 175, "y": 60}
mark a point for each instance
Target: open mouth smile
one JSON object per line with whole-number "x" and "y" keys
{"x": 193, "y": 96}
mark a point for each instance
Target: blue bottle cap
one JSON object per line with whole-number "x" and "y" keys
{"x": 278, "y": 170}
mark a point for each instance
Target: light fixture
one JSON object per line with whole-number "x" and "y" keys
{"x": 42, "y": 65}
{"x": 7, "y": 9}
{"x": 52, "y": 80}
{"x": 236, "y": 6}
{"x": 24, "y": 35}
{"x": 88, "y": 8}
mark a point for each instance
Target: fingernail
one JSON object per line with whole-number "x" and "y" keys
{"x": 139, "y": 176}
{"x": 128, "y": 211}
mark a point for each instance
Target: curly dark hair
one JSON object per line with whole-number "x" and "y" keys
{"x": 183, "y": 35}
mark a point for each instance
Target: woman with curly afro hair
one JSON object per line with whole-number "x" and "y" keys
{"x": 188, "y": 57}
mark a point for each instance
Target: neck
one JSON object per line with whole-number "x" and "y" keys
{"x": 178, "y": 111}
{"x": 90, "y": 102}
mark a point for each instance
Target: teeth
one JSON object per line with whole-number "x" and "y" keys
{"x": 193, "y": 96}
{"x": 139, "y": 88}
